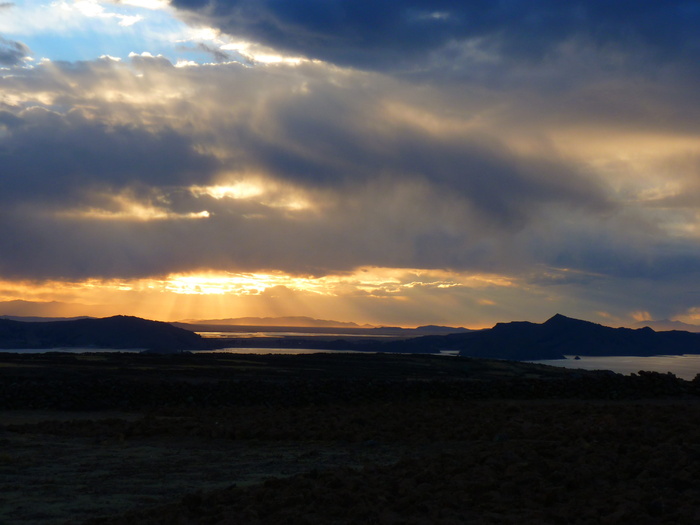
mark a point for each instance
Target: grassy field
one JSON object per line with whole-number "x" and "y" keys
{"x": 343, "y": 438}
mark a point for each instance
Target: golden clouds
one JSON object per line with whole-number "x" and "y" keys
{"x": 126, "y": 208}
{"x": 362, "y": 281}
{"x": 261, "y": 190}
{"x": 691, "y": 316}
{"x": 641, "y": 316}
{"x": 327, "y": 189}
{"x": 362, "y": 294}
{"x": 242, "y": 284}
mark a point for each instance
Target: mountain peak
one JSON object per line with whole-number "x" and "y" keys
{"x": 562, "y": 322}
{"x": 558, "y": 319}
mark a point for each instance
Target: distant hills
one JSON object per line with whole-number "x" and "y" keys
{"x": 666, "y": 325}
{"x": 307, "y": 325}
{"x": 299, "y": 321}
{"x": 34, "y": 319}
{"x": 119, "y": 332}
{"x": 520, "y": 341}
{"x": 292, "y": 321}
{"x": 555, "y": 338}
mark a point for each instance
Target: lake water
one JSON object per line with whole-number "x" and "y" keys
{"x": 683, "y": 366}
{"x": 285, "y": 351}
{"x": 250, "y": 335}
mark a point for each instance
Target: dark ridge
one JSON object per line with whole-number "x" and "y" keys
{"x": 39, "y": 319}
{"x": 553, "y": 339}
{"x": 563, "y": 335}
{"x": 120, "y": 332}
{"x": 665, "y": 325}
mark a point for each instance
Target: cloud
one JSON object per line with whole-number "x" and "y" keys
{"x": 218, "y": 55}
{"x": 12, "y": 53}
{"x": 362, "y": 142}
{"x": 381, "y": 34}
{"x": 137, "y": 168}
{"x": 52, "y": 158}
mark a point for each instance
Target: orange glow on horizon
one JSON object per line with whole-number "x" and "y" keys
{"x": 366, "y": 295}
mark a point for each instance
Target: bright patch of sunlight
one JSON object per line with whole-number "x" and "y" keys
{"x": 133, "y": 211}
{"x": 237, "y": 283}
{"x": 235, "y": 190}
{"x": 265, "y": 192}
{"x": 364, "y": 280}
{"x": 262, "y": 55}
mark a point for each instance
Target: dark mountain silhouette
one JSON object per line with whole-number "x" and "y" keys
{"x": 34, "y": 319}
{"x": 121, "y": 332}
{"x": 572, "y": 336}
{"x": 562, "y": 335}
{"x": 514, "y": 341}
{"x": 558, "y": 336}
{"x": 666, "y": 325}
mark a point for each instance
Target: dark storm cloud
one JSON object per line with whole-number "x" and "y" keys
{"x": 42, "y": 246}
{"x": 390, "y": 191}
{"x": 384, "y": 33}
{"x": 49, "y": 157}
{"x": 614, "y": 256}
{"x": 345, "y": 150}
{"x": 12, "y": 53}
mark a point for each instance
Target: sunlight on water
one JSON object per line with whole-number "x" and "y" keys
{"x": 286, "y": 351}
{"x": 248, "y": 335}
{"x": 683, "y": 366}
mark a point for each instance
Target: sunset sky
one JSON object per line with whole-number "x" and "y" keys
{"x": 457, "y": 162}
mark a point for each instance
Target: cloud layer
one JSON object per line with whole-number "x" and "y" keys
{"x": 12, "y": 53}
{"x": 381, "y": 34}
{"x": 556, "y": 144}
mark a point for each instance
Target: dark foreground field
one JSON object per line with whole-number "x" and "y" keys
{"x": 343, "y": 438}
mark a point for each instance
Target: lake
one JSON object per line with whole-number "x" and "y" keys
{"x": 250, "y": 335}
{"x": 285, "y": 351}
{"x": 683, "y": 366}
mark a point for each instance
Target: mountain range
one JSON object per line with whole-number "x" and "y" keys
{"x": 666, "y": 325}
{"x": 35, "y": 319}
{"x": 554, "y": 339}
{"x": 521, "y": 341}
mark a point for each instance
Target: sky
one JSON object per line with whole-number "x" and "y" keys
{"x": 385, "y": 162}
